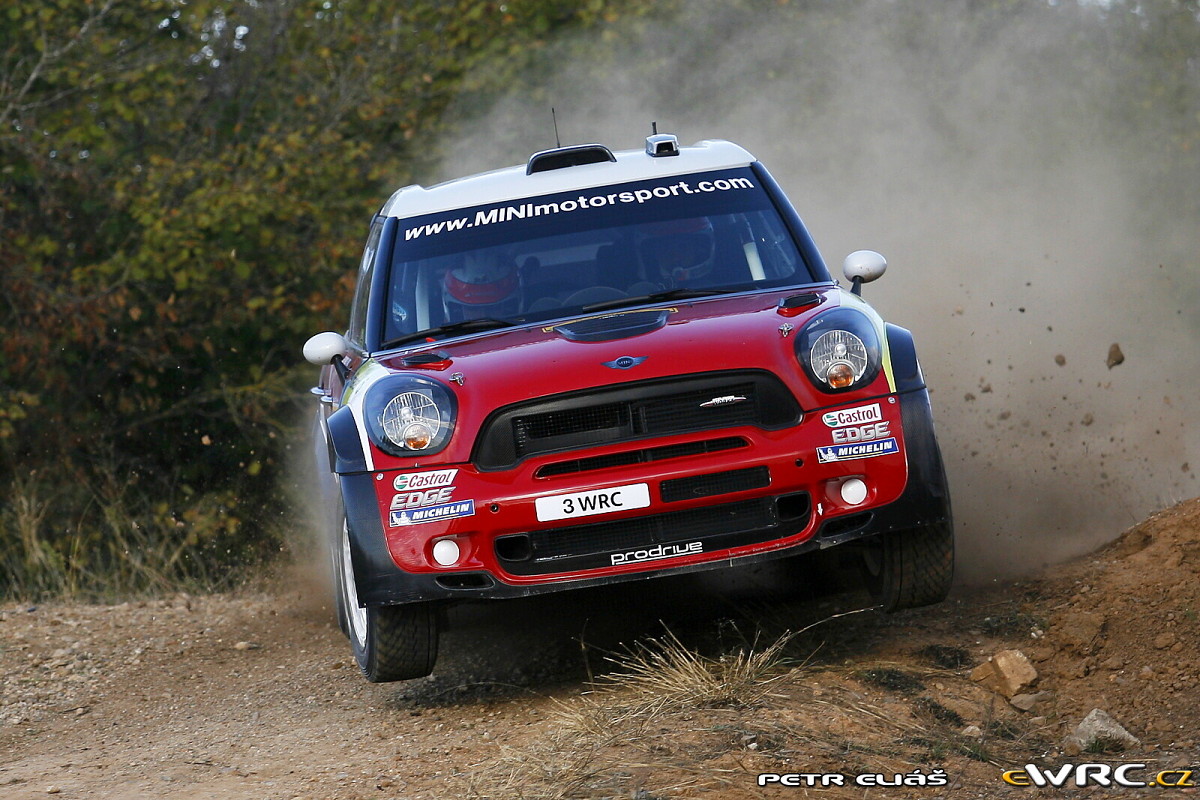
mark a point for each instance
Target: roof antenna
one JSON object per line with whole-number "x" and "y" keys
{"x": 554, "y": 119}
{"x": 654, "y": 127}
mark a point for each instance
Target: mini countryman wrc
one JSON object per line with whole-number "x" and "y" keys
{"x": 599, "y": 367}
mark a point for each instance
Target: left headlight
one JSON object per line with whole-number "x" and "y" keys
{"x": 840, "y": 350}
{"x": 409, "y": 416}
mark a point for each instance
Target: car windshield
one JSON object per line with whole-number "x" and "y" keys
{"x": 554, "y": 256}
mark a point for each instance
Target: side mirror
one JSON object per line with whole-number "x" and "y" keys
{"x": 327, "y": 348}
{"x": 863, "y": 266}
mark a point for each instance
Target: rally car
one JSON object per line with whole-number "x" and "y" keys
{"x": 603, "y": 366}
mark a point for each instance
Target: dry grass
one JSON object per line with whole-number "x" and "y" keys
{"x": 663, "y": 673}
{"x": 669, "y": 722}
{"x": 126, "y": 541}
{"x": 617, "y": 730}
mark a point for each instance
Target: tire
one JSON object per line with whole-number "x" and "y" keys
{"x": 390, "y": 643}
{"x": 339, "y": 591}
{"x": 910, "y": 568}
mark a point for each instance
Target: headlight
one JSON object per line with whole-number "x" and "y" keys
{"x": 408, "y": 416}
{"x": 840, "y": 350}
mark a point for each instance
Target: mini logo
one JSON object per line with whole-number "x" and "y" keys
{"x": 724, "y": 400}
{"x": 624, "y": 362}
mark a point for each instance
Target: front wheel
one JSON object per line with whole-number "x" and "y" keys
{"x": 390, "y": 643}
{"x": 910, "y": 568}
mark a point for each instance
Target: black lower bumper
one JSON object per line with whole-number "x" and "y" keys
{"x": 925, "y": 501}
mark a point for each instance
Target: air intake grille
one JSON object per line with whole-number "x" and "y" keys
{"x": 644, "y": 456}
{"x": 715, "y": 483}
{"x": 591, "y": 546}
{"x": 634, "y": 411}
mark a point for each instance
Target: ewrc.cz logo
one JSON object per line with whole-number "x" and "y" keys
{"x": 1098, "y": 775}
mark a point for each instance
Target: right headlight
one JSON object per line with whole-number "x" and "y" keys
{"x": 409, "y": 416}
{"x": 839, "y": 350}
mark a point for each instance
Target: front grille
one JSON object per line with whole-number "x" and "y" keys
{"x": 634, "y": 411}
{"x": 738, "y": 480}
{"x": 591, "y": 546}
{"x": 643, "y": 456}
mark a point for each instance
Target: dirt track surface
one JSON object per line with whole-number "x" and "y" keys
{"x": 256, "y": 696}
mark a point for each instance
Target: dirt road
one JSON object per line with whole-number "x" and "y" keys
{"x": 256, "y": 696}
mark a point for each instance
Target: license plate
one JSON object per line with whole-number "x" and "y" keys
{"x": 597, "y": 501}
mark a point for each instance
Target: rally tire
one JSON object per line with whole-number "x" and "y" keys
{"x": 339, "y": 599}
{"x": 402, "y": 643}
{"x": 390, "y": 643}
{"x": 910, "y": 568}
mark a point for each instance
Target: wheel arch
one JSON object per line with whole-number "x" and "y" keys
{"x": 345, "y": 444}
{"x": 906, "y": 368}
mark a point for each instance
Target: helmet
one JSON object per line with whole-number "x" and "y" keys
{"x": 680, "y": 251}
{"x": 485, "y": 285}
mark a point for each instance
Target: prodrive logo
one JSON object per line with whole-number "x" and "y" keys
{"x": 657, "y": 552}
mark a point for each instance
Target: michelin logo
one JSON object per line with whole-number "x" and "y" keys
{"x": 848, "y": 452}
{"x": 415, "y": 516}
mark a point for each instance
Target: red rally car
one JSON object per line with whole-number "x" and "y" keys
{"x": 602, "y": 366}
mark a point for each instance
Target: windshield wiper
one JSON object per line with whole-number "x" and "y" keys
{"x": 452, "y": 329}
{"x": 660, "y": 297}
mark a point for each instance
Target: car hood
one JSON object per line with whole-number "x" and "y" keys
{"x": 499, "y": 368}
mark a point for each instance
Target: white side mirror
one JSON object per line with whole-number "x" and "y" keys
{"x": 325, "y": 347}
{"x": 864, "y": 266}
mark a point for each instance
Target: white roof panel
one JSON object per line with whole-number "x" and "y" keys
{"x": 512, "y": 183}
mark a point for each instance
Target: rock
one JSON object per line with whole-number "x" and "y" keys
{"x": 1115, "y": 356}
{"x": 1060, "y": 359}
{"x": 1007, "y": 672}
{"x": 247, "y": 646}
{"x": 1099, "y": 732}
{"x": 1079, "y": 631}
{"x": 1164, "y": 640}
{"x": 1028, "y": 702}
{"x": 971, "y": 730}
{"x": 1114, "y": 663}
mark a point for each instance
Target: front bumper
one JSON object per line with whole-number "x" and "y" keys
{"x": 730, "y": 518}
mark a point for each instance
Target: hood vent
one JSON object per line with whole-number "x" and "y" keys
{"x": 573, "y": 156}
{"x": 613, "y": 326}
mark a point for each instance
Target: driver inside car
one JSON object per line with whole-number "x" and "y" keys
{"x": 680, "y": 252}
{"x": 485, "y": 284}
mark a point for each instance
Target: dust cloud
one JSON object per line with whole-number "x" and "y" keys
{"x": 1030, "y": 223}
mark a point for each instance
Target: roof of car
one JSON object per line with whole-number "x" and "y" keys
{"x": 511, "y": 183}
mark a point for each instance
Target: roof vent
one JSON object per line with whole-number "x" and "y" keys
{"x": 573, "y": 156}
{"x": 662, "y": 144}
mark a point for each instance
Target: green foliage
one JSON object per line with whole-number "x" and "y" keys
{"x": 183, "y": 192}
